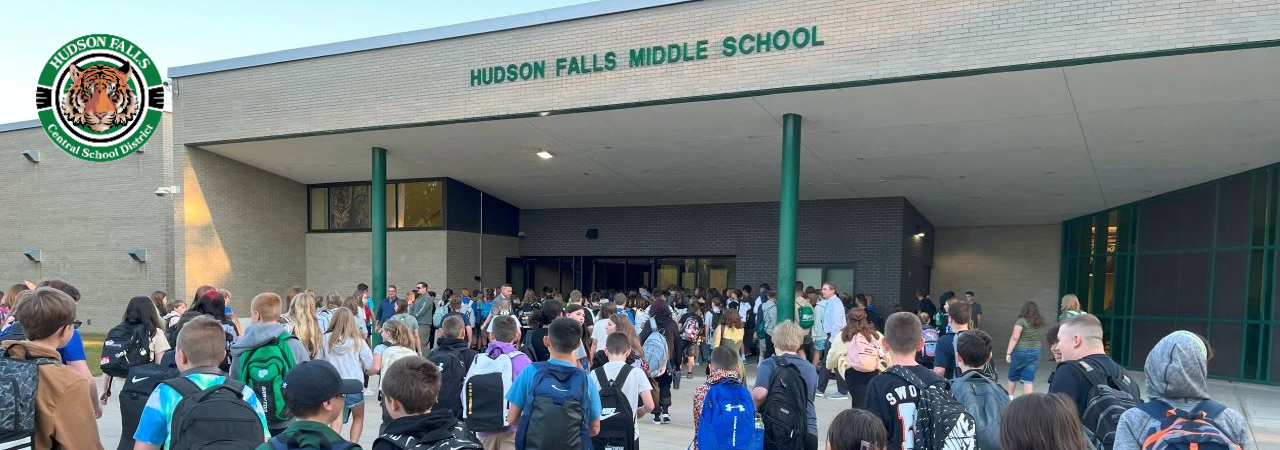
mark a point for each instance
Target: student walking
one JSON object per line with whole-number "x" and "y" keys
{"x": 1087, "y": 367}
{"x": 543, "y": 393}
{"x": 784, "y": 392}
{"x": 264, "y": 355}
{"x": 1023, "y": 353}
{"x": 411, "y": 389}
{"x": 723, "y": 411}
{"x": 857, "y": 353}
{"x": 316, "y": 397}
{"x": 1040, "y": 421}
{"x": 345, "y": 348}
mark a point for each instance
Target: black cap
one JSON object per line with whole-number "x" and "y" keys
{"x": 314, "y": 382}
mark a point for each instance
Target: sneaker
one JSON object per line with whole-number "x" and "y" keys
{"x": 369, "y": 393}
{"x": 820, "y": 394}
{"x": 666, "y": 418}
{"x": 657, "y": 420}
{"x": 838, "y": 396}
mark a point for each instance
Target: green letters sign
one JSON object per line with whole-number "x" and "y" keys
{"x": 656, "y": 55}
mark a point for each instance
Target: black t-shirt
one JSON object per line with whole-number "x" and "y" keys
{"x": 927, "y": 306}
{"x": 1070, "y": 380}
{"x": 945, "y": 355}
{"x": 893, "y": 400}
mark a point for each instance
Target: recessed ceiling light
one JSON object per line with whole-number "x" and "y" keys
{"x": 544, "y": 114}
{"x": 545, "y": 154}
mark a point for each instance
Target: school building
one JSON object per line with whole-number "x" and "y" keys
{"x": 1126, "y": 151}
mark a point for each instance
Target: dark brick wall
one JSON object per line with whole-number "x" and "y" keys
{"x": 917, "y": 256}
{"x": 866, "y": 232}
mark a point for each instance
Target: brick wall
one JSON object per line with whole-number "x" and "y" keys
{"x": 339, "y": 261}
{"x": 917, "y": 256}
{"x": 467, "y": 258}
{"x": 865, "y": 232}
{"x": 1005, "y": 267}
{"x": 864, "y": 40}
{"x": 243, "y": 229}
{"x": 83, "y": 216}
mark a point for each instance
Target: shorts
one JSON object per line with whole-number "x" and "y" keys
{"x": 820, "y": 345}
{"x": 351, "y": 400}
{"x": 1023, "y": 367}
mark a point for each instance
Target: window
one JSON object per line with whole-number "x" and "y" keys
{"x": 421, "y": 204}
{"x": 348, "y": 207}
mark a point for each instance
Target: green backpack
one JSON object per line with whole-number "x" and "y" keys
{"x": 805, "y": 317}
{"x": 262, "y": 368}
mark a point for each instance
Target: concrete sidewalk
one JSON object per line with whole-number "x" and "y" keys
{"x": 1260, "y": 404}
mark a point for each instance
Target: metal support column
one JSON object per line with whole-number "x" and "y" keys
{"x": 378, "y": 223}
{"x": 788, "y": 216}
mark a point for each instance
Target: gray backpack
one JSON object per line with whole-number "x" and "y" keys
{"x": 985, "y": 400}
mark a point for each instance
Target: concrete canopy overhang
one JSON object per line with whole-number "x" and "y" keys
{"x": 1031, "y": 146}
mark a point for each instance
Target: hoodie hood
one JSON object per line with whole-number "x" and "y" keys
{"x": 451, "y": 344}
{"x": 1177, "y": 367}
{"x": 257, "y": 334}
{"x": 431, "y": 427}
{"x": 501, "y": 347}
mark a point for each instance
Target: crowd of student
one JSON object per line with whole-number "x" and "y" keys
{"x": 544, "y": 372}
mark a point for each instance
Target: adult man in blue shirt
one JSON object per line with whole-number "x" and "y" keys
{"x": 387, "y": 308}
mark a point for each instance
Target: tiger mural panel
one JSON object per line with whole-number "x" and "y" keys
{"x": 100, "y": 97}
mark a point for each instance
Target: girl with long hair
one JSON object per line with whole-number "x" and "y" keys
{"x": 730, "y": 332}
{"x": 344, "y": 346}
{"x": 301, "y": 321}
{"x": 1070, "y": 307}
{"x": 579, "y": 313}
{"x": 1023, "y": 353}
{"x": 857, "y": 354}
{"x": 1038, "y": 421}
{"x": 141, "y": 312}
{"x": 660, "y": 319}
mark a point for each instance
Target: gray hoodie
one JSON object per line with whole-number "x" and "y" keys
{"x": 1176, "y": 369}
{"x": 258, "y": 334}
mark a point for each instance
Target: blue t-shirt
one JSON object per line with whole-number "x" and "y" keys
{"x": 521, "y": 393}
{"x": 74, "y": 350}
{"x": 945, "y": 355}
{"x": 810, "y": 375}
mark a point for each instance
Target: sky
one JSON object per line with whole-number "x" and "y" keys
{"x": 178, "y": 33}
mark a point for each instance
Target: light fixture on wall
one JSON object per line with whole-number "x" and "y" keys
{"x": 32, "y": 155}
{"x": 164, "y": 191}
{"x": 33, "y": 255}
{"x": 138, "y": 254}
{"x": 919, "y": 233}
{"x": 545, "y": 154}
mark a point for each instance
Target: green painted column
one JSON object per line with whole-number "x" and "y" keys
{"x": 378, "y": 223}
{"x": 788, "y": 216}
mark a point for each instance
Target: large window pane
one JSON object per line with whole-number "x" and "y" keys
{"x": 319, "y": 203}
{"x": 349, "y": 207}
{"x": 421, "y": 204}
{"x": 717, "y": 273}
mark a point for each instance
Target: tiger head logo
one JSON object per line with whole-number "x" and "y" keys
{"x": 100, "y": 97}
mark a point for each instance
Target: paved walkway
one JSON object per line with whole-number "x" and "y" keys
{"x": 1260, "y": 404}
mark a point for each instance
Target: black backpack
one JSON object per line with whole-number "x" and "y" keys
{"x": 14, "y": 332}
{"x": 460, "y": 440}
{"x": 1108, "y": 398}
{"x": 127, "y": 345}
{"x": 785, "y": 408}
{"x": 217, "y": 418}
{"x": 142, "y": 380}
{"x": 453, "y": 371}
{"x": 617, "y": 420}
{"x": 941, "y": 421}
{"x": 19, "y": 378}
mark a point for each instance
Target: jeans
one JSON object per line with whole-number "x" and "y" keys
{"x": 1023, "y": 367}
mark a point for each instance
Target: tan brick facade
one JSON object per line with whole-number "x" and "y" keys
{"x": 864, "y": 41}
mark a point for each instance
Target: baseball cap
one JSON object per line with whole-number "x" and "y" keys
{"x": 314, "y": 382}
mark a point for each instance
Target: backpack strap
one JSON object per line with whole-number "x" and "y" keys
{"x": 1209, "y": 408}
{"x": 277, "y": 444}
{"x": 622, "y": 376}
{"x": 183, "y": 385}
{"x": 1095, "y": 376}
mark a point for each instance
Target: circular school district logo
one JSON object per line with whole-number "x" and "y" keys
{"x": 100, "y": 97}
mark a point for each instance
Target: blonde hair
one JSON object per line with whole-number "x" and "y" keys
{"x": 302, "y": 314}
{"x": 1070, "y": 303}
{"x": 342, "y": 327}
{"x": 400, "y": 334}
{"x": 788, "y": 336}
{"x": 266, "y": 304}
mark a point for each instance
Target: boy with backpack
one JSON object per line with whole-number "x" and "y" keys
{"x": 981, "y": 395}
{"x": 625, "y": 395}
{"x": 176, "y": 309}
{"x": 723, "y": 411}
{"x": 1100, "y": 388}
{"x": 204, "y": 403}
{"x": 1176, "y": 370}
{"x": 957, "y": 321}
{"x": 411, "y": 389}
{"x": 48, "y": 404}
{"x": 264, "y": 355}
{"x": 453, "y": 357}
{"x": 316, "y": 393}
{"x": 691, "y": 336}
{"x": 912, "y": 401}
{"x": 556, "y": 395}
{"x": 784, "y": 391}
{"x": 487, "y": 383}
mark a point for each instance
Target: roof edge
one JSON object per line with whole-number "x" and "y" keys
{"x": 561, "y": 14}
{"x": 19, "y": 125}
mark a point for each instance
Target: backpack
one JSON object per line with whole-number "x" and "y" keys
{"x": 558, "y": 406}
{"x": 21, "y": 377}
{"x": 281, "y": 442}
{"x": 484, "y": 392}
{"x": 213, "y": 418}
{"x": 1108, "y": 398}
{"x": 691, "y": 328}
{"x": 438, "y": 318}
{"x": 805, "y": 317}
{"x": 15, "y": 332}
{"x": 127, "y": 345}
{"x": 137, "y": 389}
{"x": 762, "y": 327}
{"x": 392, "y": 354}
{"x": 985, "y": 400}
{"x": 453, "y": 370}
{"x": 1183, "y": 430}
{"x": 863, "y": 354}
{"x": 617, "y": 419}
{"x": 941, "y": 421}
{"x": 460, "y": 440}
{"x": 785, "y": 408}
{"x": 930, "y": 342}
{"x": 728, "y": 420}
{"x": 655, "y": 350}
{"x": 715, "y": 319}
{"x": 263, "y": 368}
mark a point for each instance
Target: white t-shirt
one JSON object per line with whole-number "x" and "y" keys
{"x": 508, "y": 314}
{"x": 159, "y": 343}
{"x": 636, "y": 383}
{"x": 600, "y": 333}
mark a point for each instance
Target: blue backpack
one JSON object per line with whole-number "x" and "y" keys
{"x": 1180, "y": 430}
{"x": 560, "y": 400}
{"x": 728, "y": 419}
